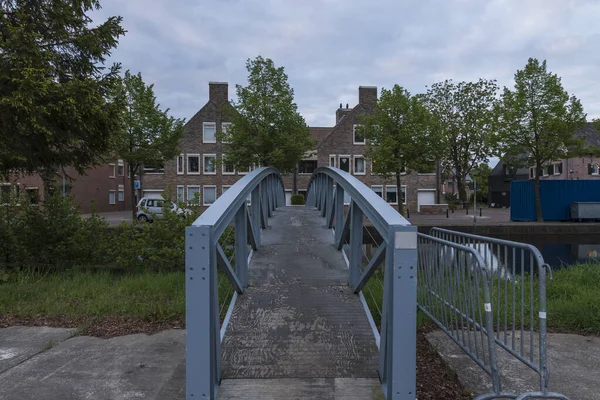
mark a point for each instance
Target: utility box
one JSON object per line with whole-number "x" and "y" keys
{"x": 587, "y": 210}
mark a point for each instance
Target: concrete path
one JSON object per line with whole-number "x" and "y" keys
{"x": 573, "y": 361}
{"x": 51, "y": 364}
{"x": 299, "y": 331}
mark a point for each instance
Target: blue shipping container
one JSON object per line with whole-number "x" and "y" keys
{"x": 556, "y": 197}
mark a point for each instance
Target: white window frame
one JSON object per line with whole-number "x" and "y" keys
{"x": 187, "y": 164}
{"x": 545, "y": 170}
{"x": 187, "y": 192}
{"x": 405, "y": 193}
{"x": 114, "y": 170}
{"x": 354, "y": 136}
{"x": 204, "y": 194}
{"x": 114, "y": 197}
{"x": 555, "y": 169}
{"x": 386, "y": 191}
{"x": 359, "y": 156}
{"x": 180, "y": 163}
{"x": 224, "y": 127}
{"x": 349, "y": 157}
{"x": 204, "y": 157}
{"x": 223, "y": 172}
{"x": 224, "y": 188}
{"x": 120, "y": 163}
{"x": 334, "y": 158}
{"x": 595, "y": 169}
{"x": 182, "y": 200}
{"x": 250, "y": 169}
{"x": 204, "y": 125}
{"x": 379, "y": 187}
{"x": 121, "y": 195}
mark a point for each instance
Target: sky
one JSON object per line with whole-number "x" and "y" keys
{"x": 330, "y": 47}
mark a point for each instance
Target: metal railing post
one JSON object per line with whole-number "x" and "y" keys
{"x": 401, "y": 335}
{"x": 255, "y": 206}
{"x": 202, "y": 353}
{"x": 356, "y": 243}
{"x": 241, "y": 245}
{"x": 339, "y": 212}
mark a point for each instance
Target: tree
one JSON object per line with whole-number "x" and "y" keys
{"x": 465, "y": 112}
{"x": 148, "y": 135}
{"x": 401, "y": 135}
{"x": 267, "y": 129}
{"x": 537, "y": 121}
{"x": 480, "y": 175}
{"x": 56, "y": 103}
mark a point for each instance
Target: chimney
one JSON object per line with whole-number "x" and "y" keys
{"x": 367, "y": 95}
{"x": 340, "y": 112}
{"x": 218, "y": 92}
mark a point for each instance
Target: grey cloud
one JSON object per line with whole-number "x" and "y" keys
{"x": 330, "y": 47}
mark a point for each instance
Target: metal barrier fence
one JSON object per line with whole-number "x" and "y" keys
{"x": 513, "y": 272}
{"x": 218, "y": 246}
{"x": 388, "y": 275}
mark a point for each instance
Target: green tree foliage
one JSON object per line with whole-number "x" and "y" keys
{"x": 148, "y": 136}
{"x": 267, "y": 129}
{"x": 481, "y": 174}
{"x": 56, "y": 103}
{"x": 465, "y": 112}
{"x": 537, "y": 121}
{"x": 401, "y": 135}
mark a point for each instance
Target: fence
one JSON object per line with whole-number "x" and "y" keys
{"x": 458, "y": 272}
{"x": 218, "y": 248}
{"x": 386, "y": 277}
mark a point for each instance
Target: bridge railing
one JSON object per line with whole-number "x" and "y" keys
{"x": 517, "y": 280}
{"x": 380, "y": 247}
{"x": 218, "y": 247}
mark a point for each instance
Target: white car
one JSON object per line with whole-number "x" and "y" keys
{"x": 147, "y": 208}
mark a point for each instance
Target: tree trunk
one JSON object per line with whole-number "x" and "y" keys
{"x": 538, "y": 200}
{"x": 295, "y": 181}
{"x": 132, "y": 186}
{"x": 462, "y": 190}
{"x": 399, "y": 193}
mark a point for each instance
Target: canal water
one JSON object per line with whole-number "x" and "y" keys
{"x": 563, "y": 250}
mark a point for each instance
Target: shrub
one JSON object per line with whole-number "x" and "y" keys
{"x": 298, "y": 200}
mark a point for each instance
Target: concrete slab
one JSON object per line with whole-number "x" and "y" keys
{"x": 127, "y": 367}
{"x": 19, "y": 343}
{"x": 573, "y": 361}
{"x": 294, "y": 388}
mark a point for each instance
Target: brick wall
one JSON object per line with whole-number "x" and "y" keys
{"x": 573, "y": 169}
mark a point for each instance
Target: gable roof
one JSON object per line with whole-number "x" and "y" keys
{"x": 498, "y": 170}
{"x": 318, "y": 133}
{"x": 357, "y": 110}
{"x": 589, "y": 134}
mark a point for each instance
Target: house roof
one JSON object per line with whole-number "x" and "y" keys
{"x": 358, "y": 109}
{"x": 498, "y": 170}
{"x": 318, "y": 133}
{"x": 589, "y": 134}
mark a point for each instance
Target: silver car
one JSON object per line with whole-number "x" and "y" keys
{"x": 148, "y": 208}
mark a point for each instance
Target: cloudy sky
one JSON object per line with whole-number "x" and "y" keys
{"x": 330, "y": 47}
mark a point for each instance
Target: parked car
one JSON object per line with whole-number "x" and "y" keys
{"x": 148, "y": 208}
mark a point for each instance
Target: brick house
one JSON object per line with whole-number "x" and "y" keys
{"x": 194, "y": 171}
{"x": 107, "y": 185}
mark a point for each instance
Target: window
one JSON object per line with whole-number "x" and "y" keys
{"x": 154, "y": 167}
{"x": 332, "y": 160}
{"x": 345, "y": 163}
{"x": 227, "y": 167}
{"x": 403, "y": 189}
{"x": 250, "y": 169}
{"x": 545, "y": 170}
{"x": 378, "y": 189}
{"x": 209, "y": 195}
{"x": 5, "y": 193}
{"x": 180, "y": 195}
{"x": 391, "y": 194}
{"x": 557, "y": 169}
{"x": 121, "y": 193}
{"x": 593, "y": 169}
{"x": 532, "y": 172}
{"x": 193, "y": 164}
{"x": 111, "y": 168}
{"x": 307, "y": 166}
{"x": 208, "y": 161}
{"x": 224, "y": 189}
{"x": 451, "y": 186}
{"x": 180, "y": 164}
{"x": 359, "y": 165}
{"x": 121, "y": 168}
{"x": 357, "y": 136}
{"x": 347, "y": 198}
{"x": 111, "y": 197}
{"x": 208, "y": 132}
{"x": 33, "y": 195}
{"x": 224, "y": 127}
{"x": 193, "y": 194}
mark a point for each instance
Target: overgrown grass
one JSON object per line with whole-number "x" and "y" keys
{"x": 78, "y": 293}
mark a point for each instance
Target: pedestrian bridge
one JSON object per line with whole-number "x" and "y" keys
{"x": 320, "y": 301}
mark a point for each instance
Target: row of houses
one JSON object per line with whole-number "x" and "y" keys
{"x": 196, "y": 172}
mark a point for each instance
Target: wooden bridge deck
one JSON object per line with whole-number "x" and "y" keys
{"x": 298, "y": 331}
